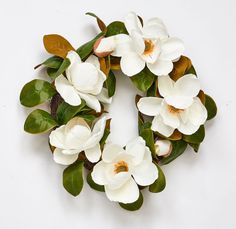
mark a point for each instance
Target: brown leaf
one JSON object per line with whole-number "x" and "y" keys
{"x": 115, "y": 63}
{"x": 202, "y": 97}
{"x": 57, "y": 45}
{"x": 105, "y": 65}
{"x": 176, "y": 136}
{"x": 180, "y": 67}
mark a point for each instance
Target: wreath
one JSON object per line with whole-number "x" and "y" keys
{"x": 172, "y": 110}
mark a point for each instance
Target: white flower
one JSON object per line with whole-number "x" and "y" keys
{"x": 75, "y": 137}
{"x": 163, "y": 147}
{"x": 148, "y": 45}
{"x": 180, "y": 108}
{"x": 84, "y": 81}
{"x": 121, "y": 170}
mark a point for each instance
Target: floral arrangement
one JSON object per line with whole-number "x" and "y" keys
{"x": 172, "y": 110}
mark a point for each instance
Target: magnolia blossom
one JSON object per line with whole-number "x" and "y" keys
{"x": 121, "y": 170}
{"x": 163, "y": 148}
{"x": 75, "y": 137}
{"x": 180, "y": 108}
{"x": 84, "y": 81}
{"x": 148, "y": 45}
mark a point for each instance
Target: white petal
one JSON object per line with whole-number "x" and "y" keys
{"x": 103, "y": 96}
{"x": 93, "y": 154}
{"x": 98, "y": 87}
{"x": 179, "y": 102}
{"x": 97, "y": 133}
{"x": 106, "y": 45}
{"x": 131, "y": 64}
{"x": 57, "y": 137}
{"x": 165, "y": 85}
{"x": 91, "y": 101}
{"x": 160, "y": 67}
{"x": 123, "y": 45}
{"x": 163, "y": 147}
{"x": 73, "y": 57}
{"x": 138, "y": 42}
{"x": 168, "y": 117}
{"x": 118, "y": 180}
{"x": 128, "y": 193}
{"x": 62, "y": 158}
{"x": 149, "y": 105}
{"x": 132, "y": 23}
{"x": 94, "y": 61}
{"x": 188, "y": 128}
{"x": 197, "y": 112}
{"x": 188, "y": 85}
{"x": 155, "y": 21}
{"x": 159, "y": 126}
{"x": 145, "y": 173}
{"x": 154, "y": 31}
{"x": 171, "y": 49}
{"x": 67, "y": 91}
{"x": 99, "y": 173}
{"x": 136, "y": 148}
{"x": 111, "y": 151}
{"x": 153, "y": 56}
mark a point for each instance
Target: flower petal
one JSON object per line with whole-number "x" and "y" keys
{"x": 165, "y": 85}
{"x": 159, "y": 126}
{"x": 179, "y": 102}
{"x": 171, "y": 49}
{"x": 138, "y": 42}
{"x": 149, "y": 105}
{"x": 106, "y": 45}
{"x": 132, "y": 23}
{"x": 99, "y": 173}
{"x": 74, "y": 59}
{"x": 128, "y": 193}
{"x": 64, "y": 159}
{"x": 123, "y": 45}
{"x": 118, "y": 180}
{"x": 145, "y": 173}
{"x": 163, "y": 147}
{"x": 91, "y": 101}
{"x": 67, "y": 91}
{"x": 153, "y": 56}
{"x": 188, "y": 128}
{"x": 136, "y": 148}
{"x": 93, "y": 154}
{"x": 103, "y": 96}
{"x": 57, "y": 137}
{"x": 188, "y": 85}
{"x": 111, "y": 151}
{"x": 93, "y": 60}
{"x": 131, "y": 64}
{"x": 160, "y": 67}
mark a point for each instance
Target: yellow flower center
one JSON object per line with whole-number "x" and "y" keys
{"x": 149, "y": 47}
{"x": 174, "y": 110}
{"x": 121, "y": 166}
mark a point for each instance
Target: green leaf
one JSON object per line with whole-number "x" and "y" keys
{"x": 211, "y": 107}
{"x": 101, "y": 24}
{"x": 152, "y": 91}
{"x": 39, "y": 121}
{"x": 195, "y": 146}
{"x": 116, "y": 27}
{"x": 89, "y": 118}
{"x": 135, "y": 205}
{"x": 111, "y": 84}
{"x": 51, "y": 62}
{"x": 36, "y": 92}
{"x": 54, "y": 73}
{"x": 106, "y": 133}
{"x": 86, "y": 49}
{"x": 144, "y": 79}
{"x": 178, "y": 147}
{"x": 160, "y": 183}
{"x": 73, "y": 178}
{"x": 191, "y": 70}
{"x": 65, "y": 112}
{"x": 93, "y": 185}
{"x": 197, "y": 137}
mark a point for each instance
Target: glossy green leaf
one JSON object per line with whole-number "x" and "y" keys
{"x": 52, "y": 62}
{"x": 191, "y": 70}
{"x": 39, "y": 121}
{"x": 111, "y": 84}
{"x": 178, "y": 147}
{"x": 133, "y": 206}
{"x": 86, "y": 49}
{"x": 195, "y": 146}
{"x": 93, "y": 185}
{"x": 160, "y": 183}
{"x": 143, "y": 80}
{"x": 54, "y": 73}
{"x": 211, "y": 107}
{"x": 197, "y": 137}
{"x": 65, "y": 112}
{"x": 73, "y": 178}
{"x": 100, "y": 23}
{"x": 36, "y": 92}
{"x": 116, "y": 27}
{"x": 152, "y": 91}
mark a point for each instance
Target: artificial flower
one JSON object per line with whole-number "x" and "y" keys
{"x": 76, "y": 136}
{"x": 84, "y": 81}
{"x": 163, "y": 148}
{"x": 121, "y": 170}
{"x": 148, "y": 45}
{"x": 180, "y": 108}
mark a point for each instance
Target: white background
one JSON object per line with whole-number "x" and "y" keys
{"x": 201, "y": 188}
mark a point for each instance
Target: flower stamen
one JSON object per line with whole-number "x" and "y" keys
{"x": 174, "y": 110}
{"x": 149, "y": 47}
{"x": 121, "y": 166}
